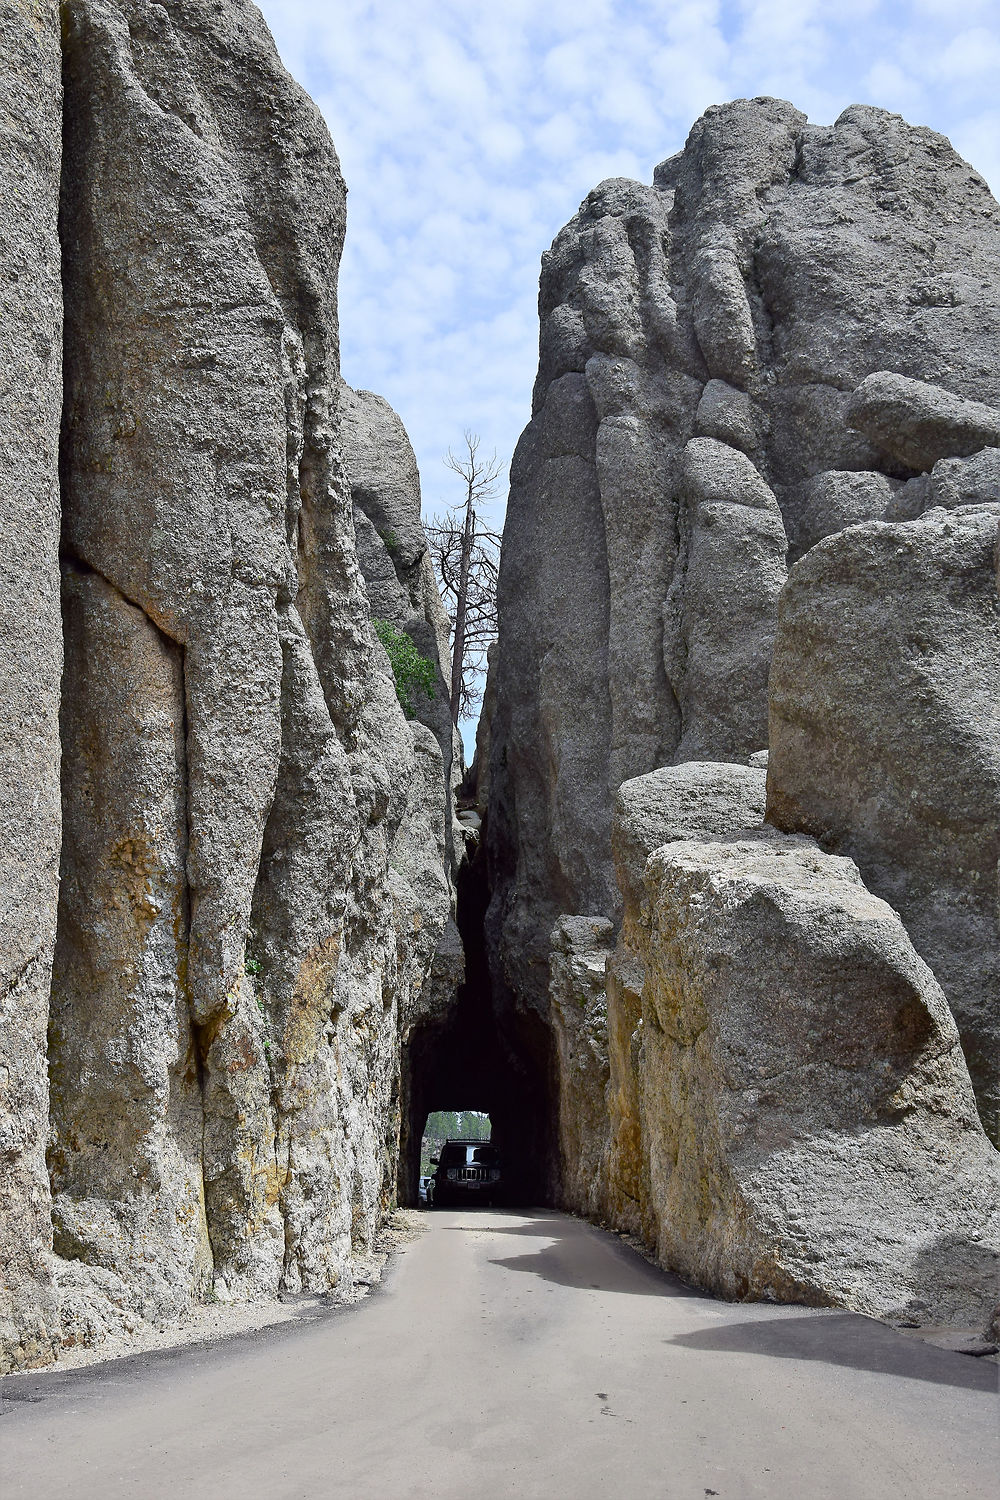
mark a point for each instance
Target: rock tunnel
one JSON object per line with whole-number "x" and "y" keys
{"x": 482, "y": 1054}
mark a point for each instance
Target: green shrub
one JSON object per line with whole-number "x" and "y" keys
{"x": 412, "y": 672}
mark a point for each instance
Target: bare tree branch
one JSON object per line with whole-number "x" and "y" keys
{"x": 466, "y": 559}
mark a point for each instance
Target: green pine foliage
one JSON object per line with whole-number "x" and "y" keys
{"x": 450, "y": 1124}
{"x": 412, "y": 672}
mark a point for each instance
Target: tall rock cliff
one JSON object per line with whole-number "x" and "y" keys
{"x": 701, "y": 343}
{"x": 253, "y": 873}
{"x": 30, "y": 654}
{"x": 786, "y": 348}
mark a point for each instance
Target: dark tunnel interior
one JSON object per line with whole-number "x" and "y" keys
{"x": 482, "y": 1055}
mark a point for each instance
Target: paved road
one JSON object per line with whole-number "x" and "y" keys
{"x": 523, "y": 1355}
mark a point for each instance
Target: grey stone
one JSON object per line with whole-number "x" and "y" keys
{"x": 919, "y": 423}
{"x": 885, "y": 740}
{"x": 833, "y": 500}
{"x": 237, "y": 769}
{"x": 396, "y": 562}
{"x": 805, "y": 1115}
{"x": 730, "y": 416}
{"x": 581, "y": 947}
{"x": 721, "y": 609}
{"x": 30, "y": 657}
{"x": 951, "y": 483}
{"x": 382, "y": 468}
{"x": 696, "y": 801}
{"x": 424, "y": 901}
{"x": 741, "y": 300}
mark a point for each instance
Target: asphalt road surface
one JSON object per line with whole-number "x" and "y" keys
{"x": 521, "y": 1354}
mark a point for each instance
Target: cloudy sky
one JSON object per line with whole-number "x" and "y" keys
{"x": 470, "y": 130}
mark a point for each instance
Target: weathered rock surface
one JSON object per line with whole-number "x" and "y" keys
{"x": 833, "y": 500}
{"x": 581, "y": 947}
{"x": 885, "y": 741}
{"x": 125, "y": 1148}
{"x": 593, "y": 1006}
{"x": 253, "y": 868}
{"x": 700, "y": 800}
{"x": 721, "y": 609}
{"x": 395, "y": 559}
{"x": 918, "y": 423}
{"x": 723, "y": 319}
{"x": 806, "y": 1121}
{"x": 952, "y": 482}
{"x": 30, "y": 656}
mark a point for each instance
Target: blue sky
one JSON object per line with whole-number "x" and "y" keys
{"x": 469, "y": 132}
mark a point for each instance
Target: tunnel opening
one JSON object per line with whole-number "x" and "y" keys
{"x": 474, "y": 1054}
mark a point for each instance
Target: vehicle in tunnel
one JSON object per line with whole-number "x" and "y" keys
{"x": 467, "y": 1172}
{"x": 425, "y": 1191}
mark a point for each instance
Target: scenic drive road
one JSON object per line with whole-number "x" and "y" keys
{"x": 522, "y": 1354}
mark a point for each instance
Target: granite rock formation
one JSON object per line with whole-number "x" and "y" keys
{"x": 807, "y": 1128}
{"x": 885, "y": 740}
{"x": 254, "y": 876}
{"x": 396, "y": 561}
{"x": 30, "y": 655}
{"x": 771, "y": 269}
{"x": 595, "y": 1009}
{"x": 785, "y": 352}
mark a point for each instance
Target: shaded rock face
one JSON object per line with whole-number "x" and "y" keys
{"x": 30, "y": 656}
{"x": 253, "y": 871}
{"x": 885, "y": 741}
{"x": 399, "y": 576}
{"x": 808, "y": 1132}
{"x": 395, "y": 558}
{"x": 701, "y": 343}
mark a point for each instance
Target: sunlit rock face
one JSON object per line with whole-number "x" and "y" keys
{"x": 253, "y": 877}
{"x": 782, "y": 354}
{"x": 885, "y": 735}
{"x": 807, "y": 1130}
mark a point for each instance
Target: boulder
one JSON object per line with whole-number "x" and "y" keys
{"x": 701, "y": 800}
{"x": 919, "y": 423}
{"x": 885, "y": 741}
{"x": 807, "y": 1122}
{"x": 833, "y": 500}
{"x": 951, "y": 483}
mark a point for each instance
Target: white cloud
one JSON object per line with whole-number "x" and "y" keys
{"x": 469, "y": 133}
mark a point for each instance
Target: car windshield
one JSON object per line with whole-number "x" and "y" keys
{"x": 460, "y": 1156}
{"x": 453, "y": 1156}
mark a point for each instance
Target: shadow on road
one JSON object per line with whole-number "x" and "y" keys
{"x": 845, "y": 1339}
{"x": 834, "y": 1338}
{"x": 580, "y": 1257}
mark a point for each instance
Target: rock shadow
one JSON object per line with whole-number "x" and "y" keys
{"x": 847, "y": 1339}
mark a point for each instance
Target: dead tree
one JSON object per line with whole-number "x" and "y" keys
{"x": 466, "y": 557}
